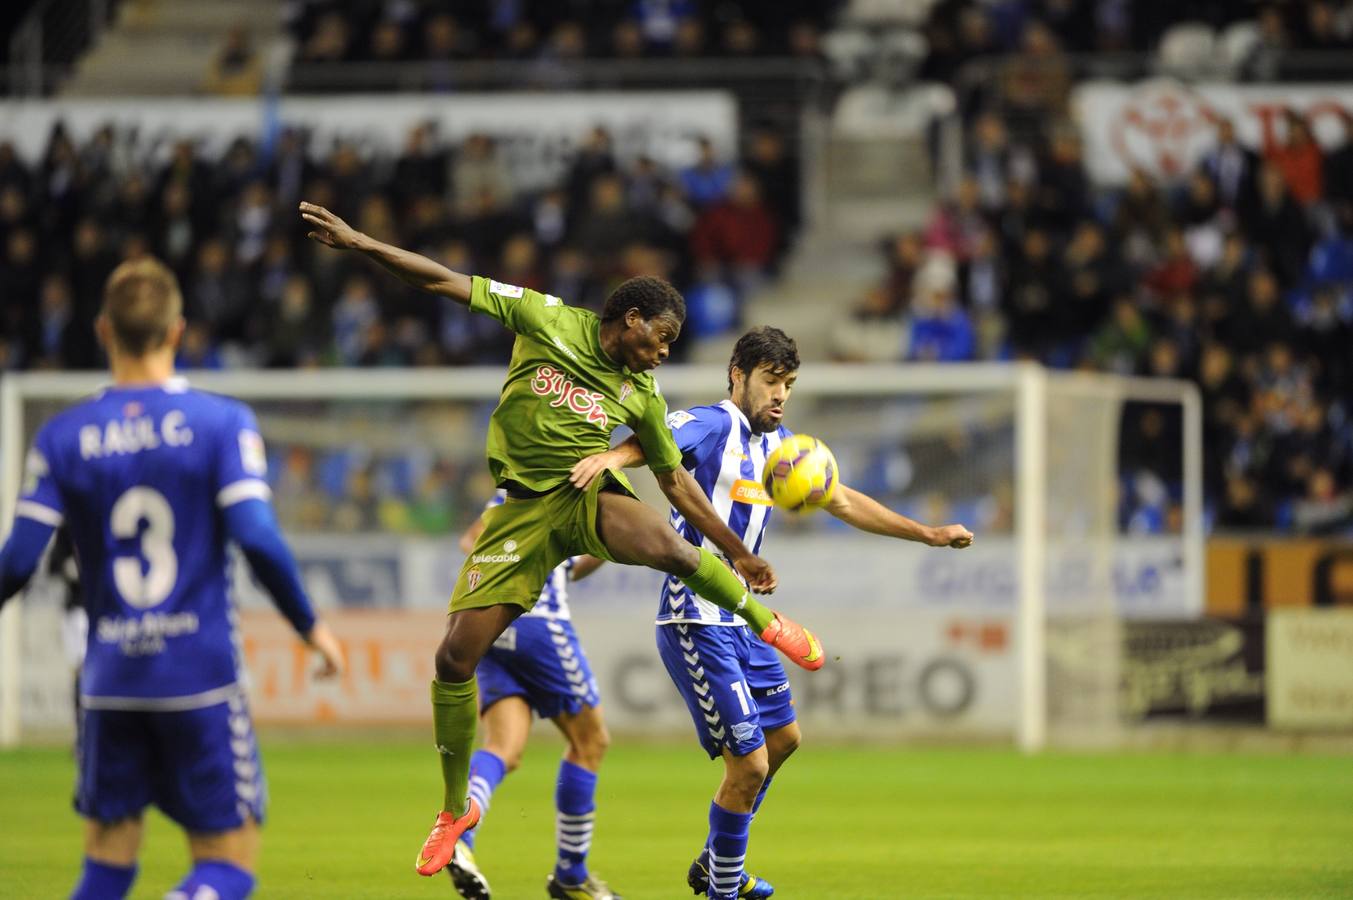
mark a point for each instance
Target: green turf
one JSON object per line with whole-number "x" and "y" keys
{"x": 347, "y": 820}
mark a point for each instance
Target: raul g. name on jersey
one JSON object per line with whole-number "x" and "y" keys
{"x": 551, "y": 382}
{"x": 121, "y": 437}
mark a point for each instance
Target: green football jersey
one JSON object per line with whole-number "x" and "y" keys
{"x": 563, "y": 396}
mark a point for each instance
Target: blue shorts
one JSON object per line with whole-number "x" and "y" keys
{"x": 733, "y": 684}
{"x": 199, "y": 766}
{"x": 541, "y": 661}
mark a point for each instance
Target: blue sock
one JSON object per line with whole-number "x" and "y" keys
{"x": 228, "y": 881}
{"x": 487, "y": 771}
{"x": 727, "y": 850}
{"x": 575, "y": 810}
{"x": 760, "y": 795}
{"x": 100, "y": 881}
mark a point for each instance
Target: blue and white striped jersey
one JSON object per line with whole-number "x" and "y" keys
{"x": 553, "y": 602}
{"x": 727, "y": 458}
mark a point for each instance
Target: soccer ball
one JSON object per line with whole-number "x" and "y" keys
{"x": 800, "y": 474}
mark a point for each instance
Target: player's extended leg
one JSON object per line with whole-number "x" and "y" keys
{"x": 109, "y": 866}
{"x": 575, "y": 803}
{"x": 636, "y": 534}
{"x": 506, "y": 724}
{"x": 730, "y": 819}
{"x": 469, "y": 634}
{"x": 223, "y": 864}
{"x": 739, "y": 774}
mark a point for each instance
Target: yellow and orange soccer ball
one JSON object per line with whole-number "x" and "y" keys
{"x": 800, "y": 474}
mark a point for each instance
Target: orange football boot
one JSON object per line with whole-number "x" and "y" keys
{"x": 441, "y": 844}
{"x": 793, "y": 640}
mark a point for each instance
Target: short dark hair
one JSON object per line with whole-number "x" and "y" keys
{"x": 766, "y": 345}
{"x": 650, "y": 296}
{"x": 142, "y": 302}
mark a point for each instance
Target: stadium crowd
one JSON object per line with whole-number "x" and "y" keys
{"x": 1239, "y": 275}
{"x": 407, "y": 30}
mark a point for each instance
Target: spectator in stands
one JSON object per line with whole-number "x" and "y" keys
{"x": 594, "y": 157}
{"x": 1299, "y": 158}
{"x": 768, "y": 160}
{"x": 940, "y": 330}
{"x": 1277, "y": 225}
{"x": 296, "y": 333}
{"x": 739, "y": 235}
{"x": 236, "y": 70}
{"x": 478, "y": 173}
{"x": 329, "y": 42}
{"x": 1036, "y": 84}
{"x": 956, "y": 226}
{"x": 708, "y": 181}
{"x": 607, "y": 224}
{"x": 387, "y": 43}
{"x": 1232, "y": 168}
{"x": 1121, "y": 343}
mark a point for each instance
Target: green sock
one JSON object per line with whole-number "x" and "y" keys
{"x": 716, "y": 583}
{"x": 455, "y": 709}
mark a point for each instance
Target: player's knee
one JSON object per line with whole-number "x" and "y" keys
{"x": 784, "y": 743}
{"x": 453, "y": 665}
{"x": 511, "y": 760}
{"x": 591, "y": 745}
{"x": 748, "y": 774}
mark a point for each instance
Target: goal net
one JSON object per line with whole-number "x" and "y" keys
{"x": 1083, "y": 492}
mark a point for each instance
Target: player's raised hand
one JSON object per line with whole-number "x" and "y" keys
{"x": 760, "y": 577}
{"x": 322, "y": 640}
{"x": 955, "y": 536}
{"x": 330, "y": 230}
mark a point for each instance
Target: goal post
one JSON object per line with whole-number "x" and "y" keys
{"x": 1018, "y": 636}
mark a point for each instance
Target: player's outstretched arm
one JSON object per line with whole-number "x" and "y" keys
{"x": 411, "y": 268}
{"x": 252, "y": 525}
{"x": 20, "y": 555}
{"x": 685, "y": 494}
{"x": 625, "y": 455}
{"x": 584, "y": 565}
{"x": 867, "y": 514}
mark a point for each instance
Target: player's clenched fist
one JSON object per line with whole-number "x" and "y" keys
{"x": 330, "y": 230}
{"x": 758, "y": 573}
{"x": 955, "y": 536}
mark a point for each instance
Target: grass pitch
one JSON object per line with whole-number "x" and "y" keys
{"x": 347, "y": 819}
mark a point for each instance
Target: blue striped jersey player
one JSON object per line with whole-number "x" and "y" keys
{"x": 153, "y": 480}
{"x": 737, "y": 692}
{"x": 538, "y": 665}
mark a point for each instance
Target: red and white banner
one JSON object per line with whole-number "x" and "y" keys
{"x": 1164, "y": 127}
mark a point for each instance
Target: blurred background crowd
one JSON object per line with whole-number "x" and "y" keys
{"x": 1236, "y": 274}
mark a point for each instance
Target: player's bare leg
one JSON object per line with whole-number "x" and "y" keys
{"x": 507, "y": 725}
{"x": 469, "y": 634}
{"x": 742, "y": 779}
{"x": 588, "y": 740}
{"x": 238, "y": 846}
{"x": 735, "y": 804}
{"x": 109, "y": 865}
{"x": 116, "y": 843}
{"x": 780, "y": 745}
{"x": 636, "y": 534}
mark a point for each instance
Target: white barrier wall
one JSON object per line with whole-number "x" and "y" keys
{"x": 537, "y": 132}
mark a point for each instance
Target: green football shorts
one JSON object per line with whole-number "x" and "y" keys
{"x": 523, "y": 540}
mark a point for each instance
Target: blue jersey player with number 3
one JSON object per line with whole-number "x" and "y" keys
{"x": 738, "y": 695}
{"x": 154, "y": 480}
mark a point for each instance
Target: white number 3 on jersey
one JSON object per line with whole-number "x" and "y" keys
{"x": 144, "y": 590}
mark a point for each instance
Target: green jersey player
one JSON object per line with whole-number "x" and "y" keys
{"x": 573, "y": 378}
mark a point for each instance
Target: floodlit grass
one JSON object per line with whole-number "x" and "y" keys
{"x": 347, "y": 819}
